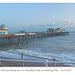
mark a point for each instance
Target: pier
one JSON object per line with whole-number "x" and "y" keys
{"x": 17, "y": 37}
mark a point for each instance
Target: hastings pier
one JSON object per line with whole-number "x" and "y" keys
{"x": 17, "y": 37}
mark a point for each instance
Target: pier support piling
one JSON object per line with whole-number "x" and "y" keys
{"x": 18, "y": 40}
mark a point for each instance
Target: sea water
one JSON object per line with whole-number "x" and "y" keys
{"x": 62, "y": 48}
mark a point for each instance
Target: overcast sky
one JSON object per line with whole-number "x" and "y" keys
{"x": 35, "y": 14}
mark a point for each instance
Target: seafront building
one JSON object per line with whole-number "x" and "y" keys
{"x": 3, "y": 29}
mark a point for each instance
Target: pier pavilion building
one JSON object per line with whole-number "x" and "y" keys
{"x": 3, "y": 29}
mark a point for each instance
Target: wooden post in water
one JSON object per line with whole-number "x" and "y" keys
{"x": 22, "y": 38}
{"x": 41, "y": 35}
{"x": 18, "y": 40}
{"x": 8, "y": 41}
{"x": 33, "y": 37}
{"x": 22, "y": 58}
{"x": 29, "y": 37}
{"x": 1, "y": 41}
{"x": 25, "y": 38}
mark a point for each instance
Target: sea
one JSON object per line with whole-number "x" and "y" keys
{"x": 62, "y": 48}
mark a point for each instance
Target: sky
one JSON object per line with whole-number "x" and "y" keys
{"x": 37, "y": 16}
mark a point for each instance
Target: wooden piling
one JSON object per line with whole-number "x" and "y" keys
{"x": 18, "y": 40}
{"x": 8, "y": 41}
{"x": 25, "y": 37}
{"x": 1, "y": 40}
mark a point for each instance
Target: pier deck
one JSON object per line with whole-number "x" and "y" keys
{"x": 26, "y": 36}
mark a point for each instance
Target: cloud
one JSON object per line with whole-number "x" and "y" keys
{"x": 43, "y": 27}
{"x": 62, "y": 24}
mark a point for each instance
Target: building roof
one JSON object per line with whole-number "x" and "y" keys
{"x": 3, "y": 25}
